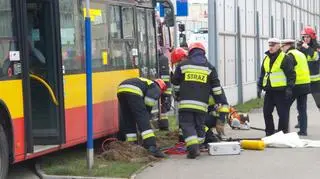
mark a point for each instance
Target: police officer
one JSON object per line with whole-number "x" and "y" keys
{"x": 197, "y": 79}
{"x": 302, "y": 82}
{"x": 277, "y": 78}
{"x": 164, "y": 71}
{"x": 137, "y": 96}
{"x": 309, "y": 48}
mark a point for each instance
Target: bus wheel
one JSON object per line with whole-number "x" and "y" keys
{"x": 4, "y": 154}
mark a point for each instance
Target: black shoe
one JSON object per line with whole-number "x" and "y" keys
{"x": 193, "y": 155}
{"x": 156, "y": 152}
{"x": 193, "y": 152}
{"x": 302, "y": 133}
{"x": 297, "y": 126}
{"x": 211, "y": 137}
{"x": 203, "y": 147}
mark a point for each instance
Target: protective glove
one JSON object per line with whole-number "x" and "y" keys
{"x": 220, "y": 127}
{"x": 288, "y": 93}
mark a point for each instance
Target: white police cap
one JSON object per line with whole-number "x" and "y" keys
{"x": 274, "y": 40}
{"x": 288, "y": 41}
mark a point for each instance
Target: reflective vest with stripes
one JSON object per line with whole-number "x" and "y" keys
{"x": 313, "y": 62}
{"x": 195, "y": 88}
{"x": 302, "y": 68}
{"x": 275, "y": 74}
{"x": 141, "y": 87}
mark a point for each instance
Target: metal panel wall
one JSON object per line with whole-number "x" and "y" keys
{"x": 271, "y": 13}
{"x": 221, "y": 65}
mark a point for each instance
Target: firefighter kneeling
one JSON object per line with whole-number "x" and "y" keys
{"x": 137, "y": 96}
{"x": 197, "y": 79}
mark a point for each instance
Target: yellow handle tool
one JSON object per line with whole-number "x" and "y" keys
{"x": 53, "y": 97}
{"x": 252, "y": 144}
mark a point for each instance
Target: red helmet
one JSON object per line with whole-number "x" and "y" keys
{"x": 177, "y": 55}
{"x": 309, "y": 31}
{"x": 161, "y": 84}
{"x": 198, "y": 45}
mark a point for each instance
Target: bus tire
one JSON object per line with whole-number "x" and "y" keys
{"x": 4, "y": 154}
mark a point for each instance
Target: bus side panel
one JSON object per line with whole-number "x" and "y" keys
{"x": 11, "y": 95}
{"x": 105, "y": 108}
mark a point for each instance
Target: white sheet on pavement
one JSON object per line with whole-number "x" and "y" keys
{"x": 291, "y": 140}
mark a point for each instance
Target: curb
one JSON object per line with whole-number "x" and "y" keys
{"x": 42, "y": 175}
{"x": 134, "y": 175}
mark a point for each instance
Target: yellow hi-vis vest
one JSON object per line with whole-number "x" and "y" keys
{"x": 314, "y": 57}
{"x": 302, "y": 68}
{"x": 275, "y": 74}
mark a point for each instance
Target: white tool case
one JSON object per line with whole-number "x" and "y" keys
{"x": 224, "y": 148}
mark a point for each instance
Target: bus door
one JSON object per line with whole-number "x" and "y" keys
{"x": 46, "y": 123}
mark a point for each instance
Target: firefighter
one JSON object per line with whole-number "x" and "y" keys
{"x": 302, "y": 82}
{"x": 177, "y": 55}
{"x": 165, "y": 101}
{"x": 137, "y": 96}
{"x": 197, "y": 79}
{"x": 309, "y": 47}
{"x": 277, "y": 78}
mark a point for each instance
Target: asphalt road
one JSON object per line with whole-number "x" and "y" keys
{"x": 270, "y": 163}
{"x": 22, "y": 170}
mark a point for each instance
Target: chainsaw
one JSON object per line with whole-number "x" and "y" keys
{"x": 238, "y": 120}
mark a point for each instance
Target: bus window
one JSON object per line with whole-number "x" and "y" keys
{"x": 99, "y": 36}
{"x": 127, "y": 22}
{"x": 143, "y": 43}
{"x": 152, "y": 44}
{"x": 7, "y": 42}
{"x": 115, "y": 26}
{"x": 122, "y": 38}
{"x": 71, "y": 23}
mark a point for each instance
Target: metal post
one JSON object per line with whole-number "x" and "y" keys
{"x": 212, "y": 34}
{"x": 258, "y": 42}
{"x": 240, "y": 80}
{"x": 272, "y": 26}
{"x": 90, "y": 153}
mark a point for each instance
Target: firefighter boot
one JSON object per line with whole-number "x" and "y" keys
{"x": 211, "y": 137}
{"x": 193, "y": 151}
{"x": 153, "y": 150}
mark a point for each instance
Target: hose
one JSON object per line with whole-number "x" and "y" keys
{"x": 53, "y": 97}
{"x": 104, "y": 143}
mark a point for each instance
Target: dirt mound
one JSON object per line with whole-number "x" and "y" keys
{"x": 127, "y": 152}
{"x": 167, "y": 139}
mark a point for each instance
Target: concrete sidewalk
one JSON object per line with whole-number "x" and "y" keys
{"x": 271, "y": 163}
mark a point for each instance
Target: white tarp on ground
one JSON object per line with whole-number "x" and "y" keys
{"x": 291, "y": 140}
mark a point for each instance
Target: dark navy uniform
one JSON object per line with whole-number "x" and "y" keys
{"x": 196, "y": 79}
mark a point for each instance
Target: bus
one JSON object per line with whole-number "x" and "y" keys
{"x": 42, "y": 70}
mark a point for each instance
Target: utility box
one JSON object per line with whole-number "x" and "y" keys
{"x": 224, "y": 148}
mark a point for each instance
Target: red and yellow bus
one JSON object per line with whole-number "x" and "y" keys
{"x": 42, "y": 70}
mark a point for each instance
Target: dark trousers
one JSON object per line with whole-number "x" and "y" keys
{"x": 192, "y": 125}
{"x": 134, "y": 113}
{"x": 316, "y": 97}
{"x": 302, "y": 111}
{"x": 276, "y": 99}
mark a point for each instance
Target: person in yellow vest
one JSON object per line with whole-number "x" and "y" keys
{"x": 277, "y": 79}
{"x": 302, "y": 83}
